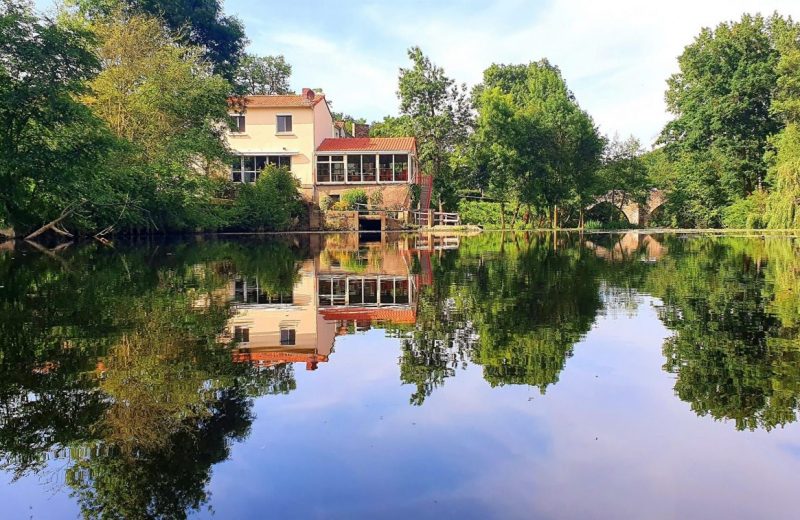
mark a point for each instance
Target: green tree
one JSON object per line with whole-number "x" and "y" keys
{"x": 201, "y": 23}
{"x": 262, "y": 75}
{"x": 271, "y": 203}
{"x": 721, "y": 101}
{"x": 783, "y": 204}
{"x": 540, "y": 148}
{"x": 163, "y": 101}
{"x": 439, "y": 116}
{"x": 623, "y": 174}
{"x": 50, "y": 144}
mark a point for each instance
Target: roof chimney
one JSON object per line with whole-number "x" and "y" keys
{"x": 360, "y": 130}
{"x": 309, "y": 94}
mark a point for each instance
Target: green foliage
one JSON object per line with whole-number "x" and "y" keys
{"x": 747, "y": 213}
{"x": 436, "y": 111}
{"x": 50, "y": 144}
{"x": 721, "y": 100}
{"x": 392, "y": 127}
{"x": 325, "y": 203}
{"x": 376, "y": 199}
{"x": 262, "y": 75}
{"x": 272, "y": 203}
{"x": 354, "y": 199}
{"x": 537, "y": 145}
{"x": 783, "y": 206}
{"x": 623, "y": 171}
{"x": 201, "y": 23}
{"x": 484, "y": 214}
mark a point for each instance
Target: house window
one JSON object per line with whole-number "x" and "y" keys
{"x": 288, "y": 336}
{"x": 241, "y": 334}
{"x": 386, "y": 167}
{"x": 330, "y": 168}
{"x": 393, "y": 168}
{"x": 284, "y": 124}
{"x": 237, "y": 123}
{"x": 246, "y": 168}
{"x": 332, "y": 291}
{"x": 361, "y": 168}
{"x": 400, "y": 168}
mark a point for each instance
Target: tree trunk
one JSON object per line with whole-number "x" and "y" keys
{"x": 502, "y": 215}
{"x": 516, "y": 213}
{"x": 69, "y": 210}
{"x": 555, "y": 216}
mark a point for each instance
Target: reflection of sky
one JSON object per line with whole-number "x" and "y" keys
{"x": 609, "y": 440}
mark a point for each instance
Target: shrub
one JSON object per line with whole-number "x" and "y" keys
{"x": 271, "y": 203}
{"x": 747, "y": 213}
{"x": 325, "y": 203}
{"x": 354, "y": 198}
{"x": 484, "y": 214}
{"x": 376, "y": 199}
{"x": 340, "y": 205}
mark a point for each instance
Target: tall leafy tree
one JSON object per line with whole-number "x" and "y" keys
{"x": 624, "y": 174}
{"x": 541, "y": 147}
{"x": 783, "y": 204}
{"x": 263, "y": 75}
{"x": 49, "y": 142}
{"x": 202, "y": 23}
{"x": 721, "y": 101}
{"x": 439, "y": 116}
{"x": 164, "y": 101}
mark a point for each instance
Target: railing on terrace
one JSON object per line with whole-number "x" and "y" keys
{"x": 435, "y": 218}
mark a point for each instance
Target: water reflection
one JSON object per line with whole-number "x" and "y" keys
{"x": 136, "y": 368}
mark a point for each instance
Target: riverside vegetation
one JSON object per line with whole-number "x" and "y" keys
{"x": 113, "y": 115}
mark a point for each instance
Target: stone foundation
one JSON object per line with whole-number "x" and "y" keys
{"x": 395, "y": 196}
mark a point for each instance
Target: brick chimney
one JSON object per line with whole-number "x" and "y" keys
{"x": 360, "y": 130}
{"x": 309, "y": 94}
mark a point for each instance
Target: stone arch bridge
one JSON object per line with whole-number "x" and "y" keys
{"x": 636, "y": 213}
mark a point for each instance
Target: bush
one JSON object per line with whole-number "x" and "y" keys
{"x": 354, "y": 198}
{"x": 325, "y": 203}
{"x": 271, "y": 203}
{"x": 340, "y": 205}
{"x": 376, "y": 199}
{"x": 748, "y": 213}
{"x": 484, "y": 214}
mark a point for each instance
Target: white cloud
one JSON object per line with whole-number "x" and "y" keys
{"x": 616, "y": 56}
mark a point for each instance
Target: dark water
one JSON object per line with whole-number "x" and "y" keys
{"x": 516, "y": 376}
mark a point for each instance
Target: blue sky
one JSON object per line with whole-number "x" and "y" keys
{"x": 615, "y": 55}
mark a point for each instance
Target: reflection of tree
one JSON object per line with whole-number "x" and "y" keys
{"x": 736, "y": 348}
{"x": 112, "y": 358}
{"x": 515, "y": 305}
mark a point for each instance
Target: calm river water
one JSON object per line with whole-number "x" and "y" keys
{"x": 323, "y": 376}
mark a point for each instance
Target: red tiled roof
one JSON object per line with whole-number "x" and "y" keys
{"x": 392, "y": 315}
{"x": 368, "y": 144}
{"x": 278, "y": 101}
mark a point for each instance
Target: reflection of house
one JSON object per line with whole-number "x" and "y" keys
{"x": 347, "y": 287}
{"x": 271, "y": 329}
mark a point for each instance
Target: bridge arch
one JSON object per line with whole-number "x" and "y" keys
{"x": 637, "y": 214}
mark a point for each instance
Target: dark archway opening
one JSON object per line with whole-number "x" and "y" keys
{"x": 606, "y": 216}
{"x": 369, "y": 224}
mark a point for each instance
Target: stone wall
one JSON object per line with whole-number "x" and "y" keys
{"x": 340, "y": 220}
{"x": 395, "y": 196}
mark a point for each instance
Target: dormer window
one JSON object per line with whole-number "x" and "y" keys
{"x": 284, "y": 124}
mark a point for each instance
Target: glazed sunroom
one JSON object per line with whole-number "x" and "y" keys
{"x": 366, "y": 161}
